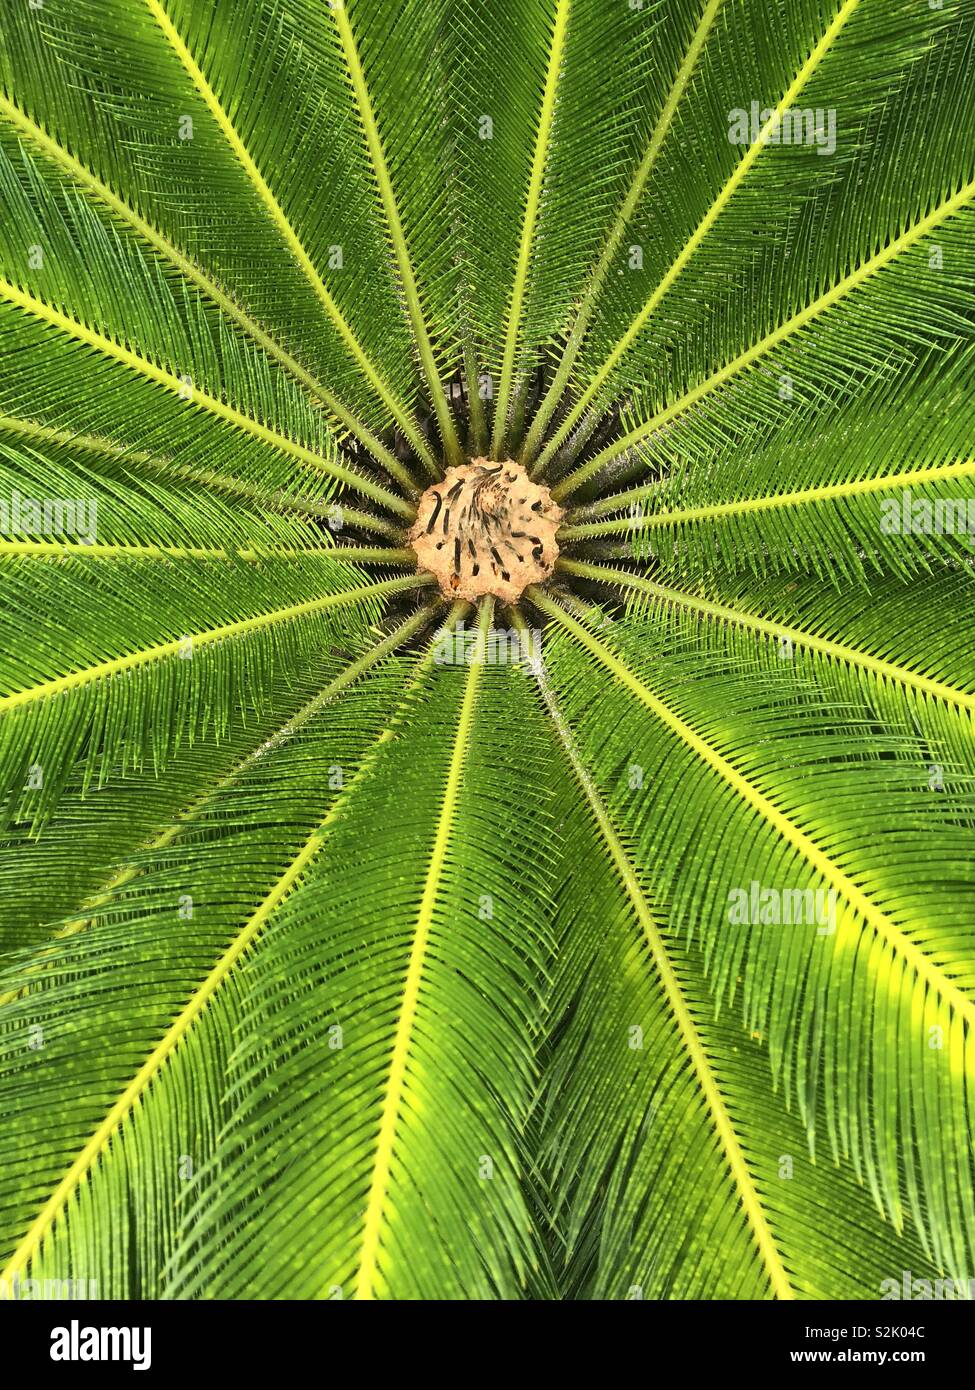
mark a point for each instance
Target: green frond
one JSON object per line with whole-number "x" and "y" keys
{"x": 130, "y": 478}
{"x": 879, "y": 656}
{"x": 187, "y": 915}
{"x": 774, "y": 374}
{"x": 127, "y": 215}
{"x": 647, "y": 1083}
{"x": 152, "y": 655}
{"x": 692, "y": 297}
{"x": 379, "y": 170}
{"x": 665, "y": 37}
{"x": 183, "y": 142}
{"x": 850, "y": 817}
{"x": 436, "y": 1006}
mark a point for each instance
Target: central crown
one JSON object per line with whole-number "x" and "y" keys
{"x": 486, "y": 529}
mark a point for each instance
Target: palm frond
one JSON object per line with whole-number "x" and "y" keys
{"x": 797, "y": 822}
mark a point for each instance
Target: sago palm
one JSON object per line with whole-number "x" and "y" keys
{"x": 488, "y": 670}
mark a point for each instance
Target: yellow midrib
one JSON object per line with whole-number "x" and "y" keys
{"x": 81, "y": 1165}
{"x": 644, "y": 170}
{"x": 740, "y": 172}
{"x": 826, "y": 492}
{"x": 395, "y": 1080}
{"x": 79, "y": 1168}
{"x": 397, "y": 235}
{"x": 105, "y": 550}
{"x": 189, "y": 813}
{"x": 852, "y": 656}
{"x": 103, "y": 670}
{"x": 280, "y": 220}
{"x": 812, "y": 311}
{"x": 740, "y": 1172}
{"x": 187, "y": 267}
{"x": 922, "y": 966}
{"x": 81, "y": 333}
{"x": 222, "y": 482}
{"x": 532, "y": 203}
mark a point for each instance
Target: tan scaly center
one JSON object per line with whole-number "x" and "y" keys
{"x": 486, "y": 529}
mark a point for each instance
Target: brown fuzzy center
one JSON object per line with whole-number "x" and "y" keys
{"x": 486, "y": 529}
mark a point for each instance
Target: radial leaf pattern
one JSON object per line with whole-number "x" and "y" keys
{"x": 578, "y": 916}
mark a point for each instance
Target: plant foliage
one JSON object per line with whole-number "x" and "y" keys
{"x": 329, "y": 968}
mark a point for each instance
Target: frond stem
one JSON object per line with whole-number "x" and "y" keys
{"x": 380, "y": 169}
{"x": 396, "y": 1077}
{"x": 105, "y": 670}
{"x": 222, "y": 483}
{"x": 98, "y": 550}
{"x": 533, "y": 200}
{"x": 715, "y": 511}
{"x": 587, "y": 303}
